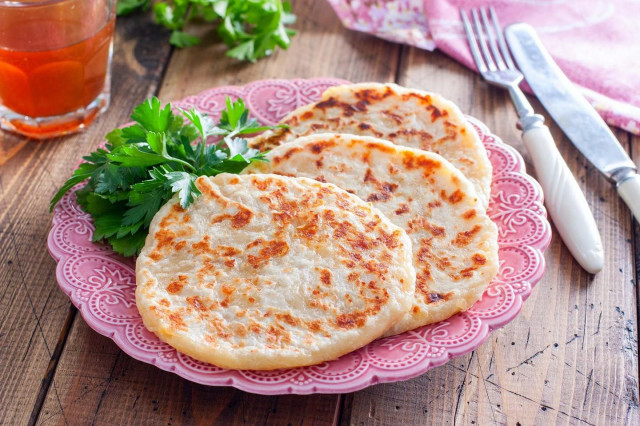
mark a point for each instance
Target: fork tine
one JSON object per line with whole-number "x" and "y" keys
{"x": 492, "y": 40}
{"x": 473, "y": 45}
{"x": 482, "y": 41}
{"x": 503, "y": 45}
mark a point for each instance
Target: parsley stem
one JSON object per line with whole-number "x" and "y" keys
{"x": 203, "y": 143}
{"x": 184, "y": 163}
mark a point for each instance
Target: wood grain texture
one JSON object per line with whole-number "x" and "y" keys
{"x": 10, "y": 145}
{"x": 570, "y": 357}
{"x": 95, "y": 381}
{"x": 323, "y": 48}
{"x": 98, "y": 384}
{"x": 36, "y": 315}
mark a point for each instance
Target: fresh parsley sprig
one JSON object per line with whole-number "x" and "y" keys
{"x": 251, "y": 29}
{"x": 143, "y": 165}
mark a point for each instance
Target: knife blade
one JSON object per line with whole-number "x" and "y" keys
{"x": 573, "y": 113}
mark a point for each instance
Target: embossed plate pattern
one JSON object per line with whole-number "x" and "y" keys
{"x": 102, "y": 284}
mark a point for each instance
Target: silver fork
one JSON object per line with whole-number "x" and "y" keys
{"x": 564, "y": 200}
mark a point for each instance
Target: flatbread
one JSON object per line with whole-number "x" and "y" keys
{"x": 455, "y": 250}
{"x": 407, "y": 117}
{"x": 264, "y": 272}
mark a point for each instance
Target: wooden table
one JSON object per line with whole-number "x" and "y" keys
{"x": 570, "y": 357}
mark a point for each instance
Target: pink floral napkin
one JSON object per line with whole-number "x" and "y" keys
{"x": 595, "y": 42}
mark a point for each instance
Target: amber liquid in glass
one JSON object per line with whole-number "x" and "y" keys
{"x": 58, "y": 81}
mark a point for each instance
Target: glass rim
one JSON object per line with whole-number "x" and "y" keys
{"x": 25, "y": 4}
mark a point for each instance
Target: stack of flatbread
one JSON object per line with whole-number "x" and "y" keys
{"x": 368, "y": 220}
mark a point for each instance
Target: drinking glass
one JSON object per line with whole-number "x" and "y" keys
{"x": 55, "y": 61}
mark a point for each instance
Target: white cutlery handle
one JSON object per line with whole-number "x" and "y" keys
{"x": 629, "y": 190}
{"x": 564, "y": 200}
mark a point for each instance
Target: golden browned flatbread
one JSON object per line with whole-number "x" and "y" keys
{"x": 455, "y": 250}
{"x": 266, "y": 272}
{"x": 407, "y": 117}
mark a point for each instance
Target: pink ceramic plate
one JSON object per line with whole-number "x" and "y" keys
{"x": 101, "y": 284}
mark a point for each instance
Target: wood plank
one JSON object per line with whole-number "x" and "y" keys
{"x": 36, "y": 314}
{"x": 95, "y": 381}
{"x": 571, "y": 355}
{"x": 323, "y": 48}
{"x": 10, "y": 145}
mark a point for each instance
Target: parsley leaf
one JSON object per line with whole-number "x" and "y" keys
{"x": 235, "y": 119}
{"x": 151, "y": 117}
{"x": 181, "y": 39}
{"x": 185, "y": 185}
{"x": 143, "y": 165}
{"x": 251, "y": 29}
{"x": 125, "y": 7}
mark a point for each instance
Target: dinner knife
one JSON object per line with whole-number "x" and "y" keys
{"x": 573, "y": 113}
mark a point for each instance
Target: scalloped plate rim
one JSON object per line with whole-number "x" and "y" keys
{"x": 486, "y": 325}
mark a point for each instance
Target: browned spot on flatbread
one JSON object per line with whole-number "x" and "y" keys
{"x": 241, "y": 330}
{"x": 241, "y": 219}
{"x": 390, "y": 240}
{"x": 455, "y": 197}
{"x": 437, "y": 297}
{"x": 437, "y": 113}
{"x": 176, "y": 285}
{"x": 424, "y": 100}
{"x": 315, "y": 326}
{"x": 254, "y": 243}
{"x": 206, "y": 187}
{"x": 203, "y": 246}
{"x": 196, "y": 302}
{"x": 412, "y": 161}
{"x": 318, "y": 147}
{"x": 238, "y": 220}
{"x": 378, "y": 196}
{"x": 261, "y": 184}
{"x": 385, "y": 188}
{"x": 384, "y": 148}
{"x": 287, "y": 155}
{"x": 325, "y": 277}
{"x": 419, "y": 223}
{"x": 176, "y": 321}
{"x": 469, "y": 214}
{"x": 370, "y": 95}
{"x": 464, "y": 238}
{"x": 271, "y": 249}
{"x": 329, "y": 103}
{"x": 404, "y": 208}
{"x": 395, "y": 117}
{"x": 309, "y": 229}
{"x": 164, "y": 238}
{"x": 348, "y": 109}
{"x": 478, "y": 259}
{"x": 278, "y": 336}
{"x": 227, "y": 251}
{"x": 351, "y": 320}
{"x": 288, "y": 319}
